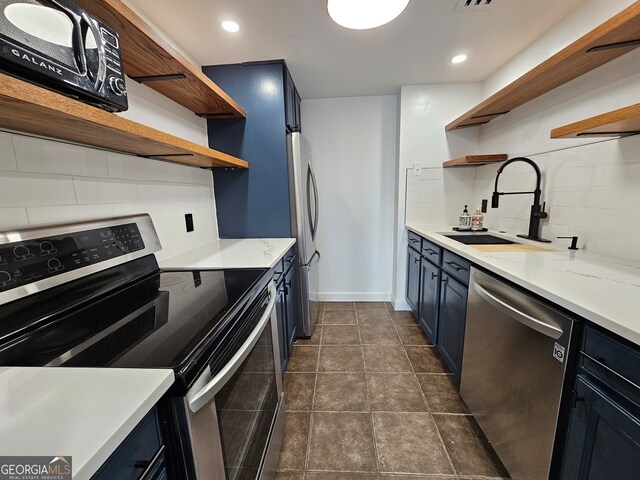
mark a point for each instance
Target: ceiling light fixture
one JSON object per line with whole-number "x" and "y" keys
{"x": 459, "y": 58}
{"x": 230, "y": 26}
{"x": 365, "y": 14}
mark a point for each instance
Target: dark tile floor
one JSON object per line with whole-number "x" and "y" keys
{"x": 369, "y": 398}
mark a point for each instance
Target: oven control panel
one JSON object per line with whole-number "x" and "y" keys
{"x": 28, "y": 261}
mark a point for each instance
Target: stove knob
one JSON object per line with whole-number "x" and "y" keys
{"x": 54, "y": 264}
{"x": 21, "y": 251}
{"x": 46, "y": 246}
{"x": 117, "y": 86}
{"x": 4, "y": 277}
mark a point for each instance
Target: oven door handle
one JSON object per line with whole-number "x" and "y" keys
{"x": 206, "y": 394}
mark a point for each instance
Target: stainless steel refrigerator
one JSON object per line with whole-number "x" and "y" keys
{"x": 304, "y": 226}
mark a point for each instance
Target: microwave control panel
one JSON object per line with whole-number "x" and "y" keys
{"x": 28, "y": 261}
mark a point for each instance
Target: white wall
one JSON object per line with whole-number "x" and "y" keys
{"x": 43, "y": 181}
{"x": 354, "y": 154}
{"x": 436, "y": 193}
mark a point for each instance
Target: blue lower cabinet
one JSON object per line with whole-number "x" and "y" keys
{"x": 604, "y": 435}
{"x": 413, "y": 280}
{"x": 281, "y": 312}
{"x": 141, "y": 455}
{"x": 452, "y": 320}
{"x": 290, "y": 282}
{"x": 429, "y": 296}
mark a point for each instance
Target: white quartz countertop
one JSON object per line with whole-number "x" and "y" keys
{"x": 232, "y": 253}
{"x": 84, "y": 413}
{"x": 599, "y": 288}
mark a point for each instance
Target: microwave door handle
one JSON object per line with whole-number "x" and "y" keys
{"x": 206, "y": 394}
{"x": 102, "y": 53}
{"x": 77, "y": 40}
{"x": 527, "y": 320}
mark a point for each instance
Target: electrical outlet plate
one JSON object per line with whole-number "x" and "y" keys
{"x": 188, "y": 220}
{"x": 417, "y": 168}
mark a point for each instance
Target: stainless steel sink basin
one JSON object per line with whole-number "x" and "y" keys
{"x": 479, "y": 239}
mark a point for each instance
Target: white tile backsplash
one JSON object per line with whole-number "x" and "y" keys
{"x": 44, "y": 156}
{"x": 591, "y": 191}
{"x": 13, "y": 217}
{"x": 19, "y": 189}
{"x": 68, "y": 213}
{"x": 105, "y": 190}
{"x": 7, "y": 160}
{"x": 50, "y": 182}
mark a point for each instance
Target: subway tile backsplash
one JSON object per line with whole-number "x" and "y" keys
{"x": 592, "y": 191}
{"x": 43, "y": 181}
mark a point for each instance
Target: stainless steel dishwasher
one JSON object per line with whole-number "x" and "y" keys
{"x": 512, "y": 372}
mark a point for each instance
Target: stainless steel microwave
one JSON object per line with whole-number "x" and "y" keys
{"x": 60, "y": 46}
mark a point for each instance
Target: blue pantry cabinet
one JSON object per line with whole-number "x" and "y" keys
{"x": 254, "y": 202}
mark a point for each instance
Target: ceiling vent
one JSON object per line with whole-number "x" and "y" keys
{"x": 474, "y": 5}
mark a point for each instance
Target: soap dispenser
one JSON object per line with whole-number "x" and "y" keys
{"x": 464, "y": 222}
{"x": 477, "y": 219}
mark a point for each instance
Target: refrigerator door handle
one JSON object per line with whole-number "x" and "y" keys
{"x": 315, "y": 258}
{"x": 313, "y": 220}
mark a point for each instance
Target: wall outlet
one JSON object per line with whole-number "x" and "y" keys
{"x": 188, "y": 220}
{"x": 417, "y": 168}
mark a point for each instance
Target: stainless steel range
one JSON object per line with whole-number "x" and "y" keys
{"x": 91, "y": 295}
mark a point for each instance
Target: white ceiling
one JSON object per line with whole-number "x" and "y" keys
{"x": 327, "y": 60}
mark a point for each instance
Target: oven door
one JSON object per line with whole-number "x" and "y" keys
{"x": 236, "y": 417}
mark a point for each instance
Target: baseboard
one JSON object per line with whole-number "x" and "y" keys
{"x": 354, "y": 297}
{"x": 400, "y": 305}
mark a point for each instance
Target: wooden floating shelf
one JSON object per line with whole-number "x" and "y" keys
{"x": 618, "y": 123}
{"x": 615, "y": 37}
{"x": 145, "y": 53}
{"x": 475, "y": 160}
{"x": 29, "y": 108}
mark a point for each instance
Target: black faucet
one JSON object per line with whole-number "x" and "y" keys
{"x": 537, "y": 212}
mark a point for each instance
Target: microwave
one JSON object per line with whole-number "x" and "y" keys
{"x": 60, "y": 46}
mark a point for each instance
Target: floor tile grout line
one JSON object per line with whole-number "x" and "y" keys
{"x": 313, "y": 398}
{"x": 444, "y": 447}
{"x": 366, "y": 379}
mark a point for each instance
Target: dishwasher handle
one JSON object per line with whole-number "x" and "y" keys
{"x": 531, "y": 322}
{"x": 206, "y": 394}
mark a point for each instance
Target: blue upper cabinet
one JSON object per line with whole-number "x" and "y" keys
{"x": 253, "y": 202}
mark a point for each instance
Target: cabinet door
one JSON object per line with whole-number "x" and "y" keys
{"x": 452, "y": 320}
{"x": 429, "y": 291}
{"x": 413, "y": 280}
{"x": 281, "y": 311}
{"x": 291, "y": 307}
{"x": 604, "y": 436}
{"x": 296, "y": 106}
{"x": 289, "y": 102}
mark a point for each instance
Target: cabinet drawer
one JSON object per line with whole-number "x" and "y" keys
{"x": 431, "y": 252}
{"x": 456, "y": 266}
{"x": 415, "y": 241}
{"x": 134, "y": 456}
{"x": 612, "y": 354}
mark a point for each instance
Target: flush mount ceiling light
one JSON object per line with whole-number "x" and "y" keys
{"x": 459, "y": 58}
{"x": 364, "y": 14}
{"x": 230, "y": 26}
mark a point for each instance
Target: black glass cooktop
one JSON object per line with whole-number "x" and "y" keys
{"x": 164, "y": 320}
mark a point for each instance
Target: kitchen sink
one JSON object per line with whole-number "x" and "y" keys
{"x": 479, "y": 239}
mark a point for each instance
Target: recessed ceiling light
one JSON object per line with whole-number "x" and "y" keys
{"x": 459, "y": 58}
{"x": 230, "y": 26}
{"x": 365, "y": 14}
